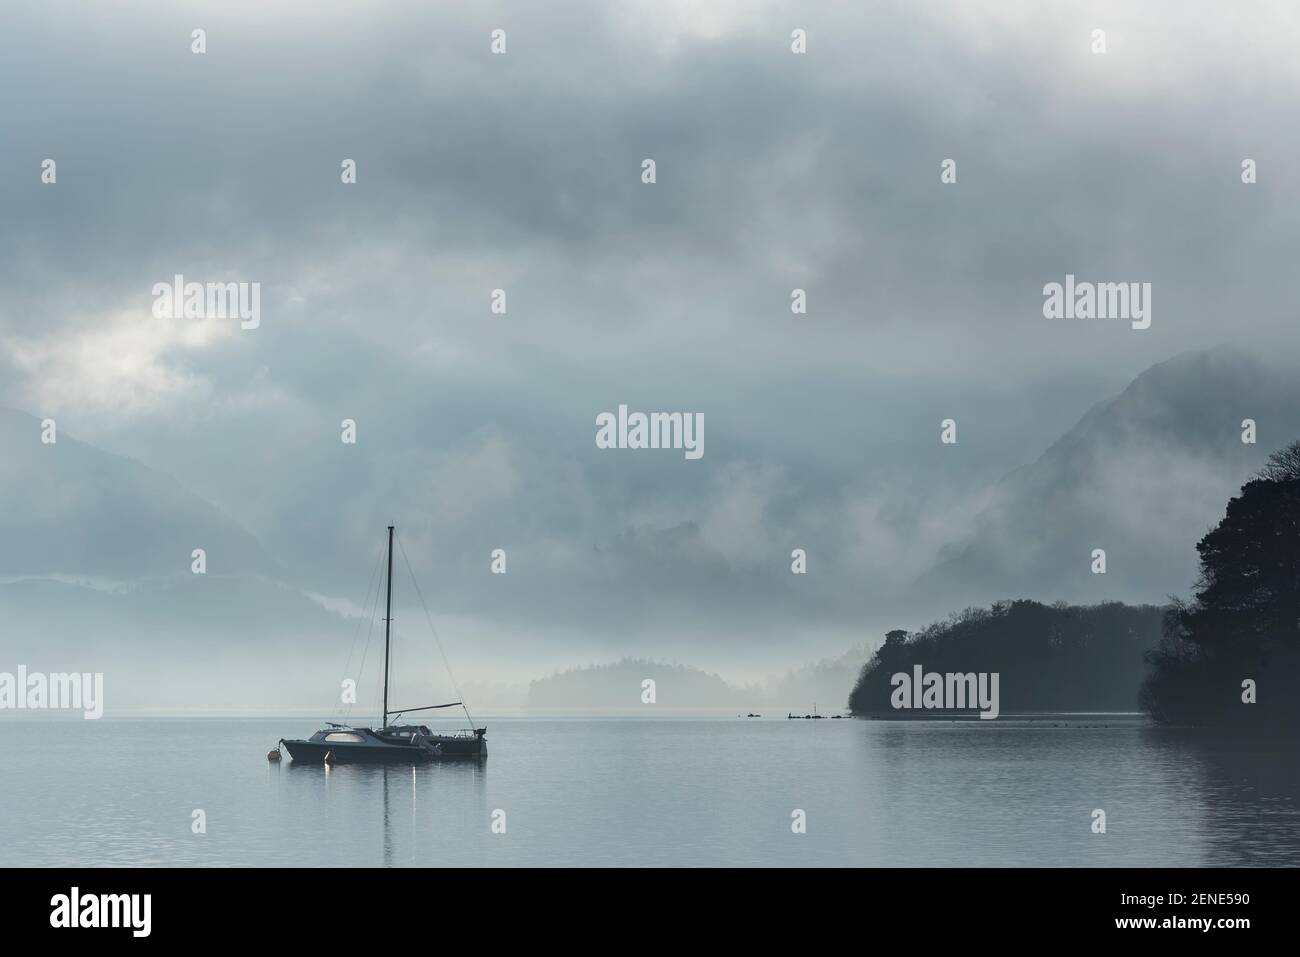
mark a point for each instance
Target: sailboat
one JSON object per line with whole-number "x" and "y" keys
{"x": 346, "y": 744}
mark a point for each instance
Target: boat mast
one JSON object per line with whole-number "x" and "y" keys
{"x": 388, "y": 624}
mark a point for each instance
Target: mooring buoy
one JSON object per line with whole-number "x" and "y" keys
{"x": 274, "y": 755}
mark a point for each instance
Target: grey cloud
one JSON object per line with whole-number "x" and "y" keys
{"x": 521, "y": 172}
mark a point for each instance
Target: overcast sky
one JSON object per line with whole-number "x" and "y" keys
{"x": 523, "y": 172}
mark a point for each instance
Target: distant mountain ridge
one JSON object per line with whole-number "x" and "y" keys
{"x": 1141, "y": 475}
{"x": 95, "y": 575}
{"x": 825, "y": 683}
{"x": 70, "y": 509}
{"x": 619, "y": 687}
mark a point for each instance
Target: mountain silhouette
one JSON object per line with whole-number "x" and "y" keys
{"x": 1141, "y": 476}
{"x": 70, "y": 509}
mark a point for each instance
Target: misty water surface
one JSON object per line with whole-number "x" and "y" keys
{"x": 652, "y": 792}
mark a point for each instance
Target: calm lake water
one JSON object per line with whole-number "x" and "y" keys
{"x": 605, "y": 791}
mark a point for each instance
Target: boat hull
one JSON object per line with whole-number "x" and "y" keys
{"x": 376, "y": 750}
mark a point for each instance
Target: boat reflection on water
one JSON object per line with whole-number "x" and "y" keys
{"x": 405, "y": 792}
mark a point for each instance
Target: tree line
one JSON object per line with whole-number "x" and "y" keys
{"x": 1228, "y": 656}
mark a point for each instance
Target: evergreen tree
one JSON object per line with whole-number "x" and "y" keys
{"x": 1243, "y": 625}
